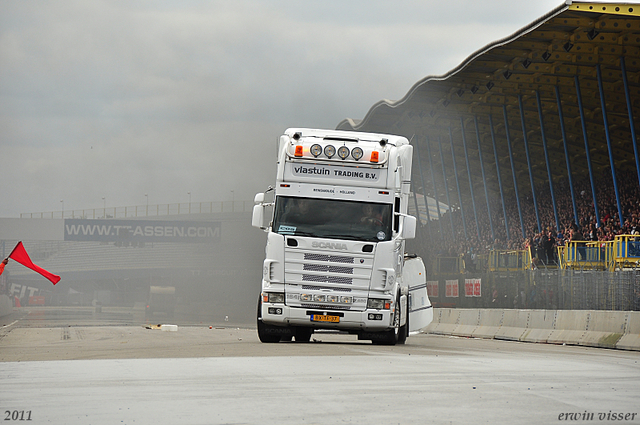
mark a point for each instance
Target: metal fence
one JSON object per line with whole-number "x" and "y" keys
{"x": 551, "y": 289}
{"x": 149, "y": 210}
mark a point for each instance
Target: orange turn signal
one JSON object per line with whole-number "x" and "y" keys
{"x": 374, "y": 156}
{"x": 298, "y": 150}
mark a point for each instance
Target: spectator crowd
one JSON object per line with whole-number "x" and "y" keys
{"x": 543, "y": 240}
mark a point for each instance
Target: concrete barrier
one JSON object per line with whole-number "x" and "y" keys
{"x": 444, "y": 321}
{"x": 514, "y": 325}
{"x": 571, "y": 325}
{"x": 631, "y": 338}
{"x": 604, "y": 328}
{"x": 489, "y": 323}
{"x": 467, "y": 322}
{"x": 541, "y": 325}
{"x": 6, "y": 305}
{"x": 593, "y": 328}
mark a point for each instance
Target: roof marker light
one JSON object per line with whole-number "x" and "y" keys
{"x": 374, "y": 156}
{"x": 343, "y": 152}
{"x": 315, "y": 150}
{"x": 298, "y": 150}
{"x": 357, "y": 153}
{"x": 329, "y": 151}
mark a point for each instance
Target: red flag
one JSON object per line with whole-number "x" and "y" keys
{"x": 20, "y": 255}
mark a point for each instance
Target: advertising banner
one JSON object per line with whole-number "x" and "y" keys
{"x": 136, "y": 231}
{"x": 473, "y": 287}
{"x": 432, "y": 288}
{"x": 452, "y": 288}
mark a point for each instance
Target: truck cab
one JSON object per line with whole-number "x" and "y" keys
{"x": 335, "y": 254}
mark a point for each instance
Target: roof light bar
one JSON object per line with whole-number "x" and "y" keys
{"x": 315, "y": 150}
{"x": 329, "y": 151}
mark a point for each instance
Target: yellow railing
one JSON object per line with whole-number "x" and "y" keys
{"x": 621, "y": 253}
{"x": 509, "y": 260}
{"x": 625, "y": 252}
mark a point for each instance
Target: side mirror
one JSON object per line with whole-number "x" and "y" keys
{"x": 259, "y": 198}
{"x": 409, "y": 227}
{"x": 257, "y": 219}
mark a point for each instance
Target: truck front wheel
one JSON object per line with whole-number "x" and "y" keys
{"x": 303, "y": 334}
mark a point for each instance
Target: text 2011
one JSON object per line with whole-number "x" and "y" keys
{"x": 17, "y": 415}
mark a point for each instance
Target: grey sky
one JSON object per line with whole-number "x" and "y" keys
{"x": 116, "y": 99}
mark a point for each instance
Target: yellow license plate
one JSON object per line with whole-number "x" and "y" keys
{"x": 324, "y": 318}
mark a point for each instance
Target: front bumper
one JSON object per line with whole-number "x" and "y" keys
{"x": 348, "y": 320}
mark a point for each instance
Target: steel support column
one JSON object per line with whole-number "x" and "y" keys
{"x": 495, "y": 155}
{"x": 526, "y": 150}
{"x": 546, "y": 158}
{"x": 484, "y": 180}
{"x": 466, "y": 157}
{"x": 583, "y": 122}
{"x": 424, "y": 193}
{"x": 513, "y": 169}
{"x": 446, "y": 189}
{"x": 566, "y": 153}
{"x": 435, "y": 188}
{"x": 455, "y": 171}
{"x": 608, "y": 136}
{"x": 632, "y": 126}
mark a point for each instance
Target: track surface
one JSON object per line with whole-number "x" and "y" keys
{"x": 76, "y": 366}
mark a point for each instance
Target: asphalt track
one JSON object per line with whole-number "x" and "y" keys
{"x": 59, "y": 367}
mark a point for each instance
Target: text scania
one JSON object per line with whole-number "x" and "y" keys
{"x": 329, "y": 245}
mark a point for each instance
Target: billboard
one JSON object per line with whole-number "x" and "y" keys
{"x": 141, "y": 231}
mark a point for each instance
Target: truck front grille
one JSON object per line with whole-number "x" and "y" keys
{"x": 320, "y": 288}
{"x": 327, "y": 279}
{"x": 327, "y": 269}
{"x": 329, "y": 258}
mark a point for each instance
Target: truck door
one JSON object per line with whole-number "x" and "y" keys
{"x": 420, "y": 310}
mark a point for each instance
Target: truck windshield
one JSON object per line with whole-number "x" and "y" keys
{"x": 334, "y": 219}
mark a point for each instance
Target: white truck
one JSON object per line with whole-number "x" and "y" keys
{"x": 335, "y": 254}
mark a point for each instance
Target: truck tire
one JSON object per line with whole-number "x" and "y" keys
{"x": 303, "y": 334}
{"x": 263, "y": 329}
{"x": 397, "y": 335}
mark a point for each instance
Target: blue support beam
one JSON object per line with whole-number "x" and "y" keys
{"x": 566, "y": 153}
{"x": 632, "y": 126}
{"x": 435, "y": 189}
{"x": 495, "y": 155}
{"x": 446, "y": 189}
{"x": 526, "y": 149}
{"x": 583, "y": 122}
{"x": 466, "y": 157}
{"x": 513, "y": 170}
{"x": 484, "y": 180}
{"x": 546, "y": 158}
{"x": 455, "y": 171}
{"x": 610, "y": 148}
{"x": 424, "y": 189}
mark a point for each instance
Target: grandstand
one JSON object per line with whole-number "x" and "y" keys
{"x": 529, "y": 139}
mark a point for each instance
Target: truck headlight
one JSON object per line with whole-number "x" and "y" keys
{"x": 273, "y": 297}
{"x": 378, "y": 304}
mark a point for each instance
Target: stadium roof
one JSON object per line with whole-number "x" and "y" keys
{"x": 525, "y": 77}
